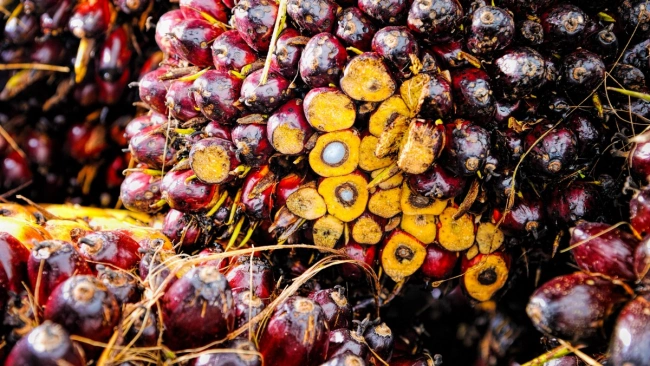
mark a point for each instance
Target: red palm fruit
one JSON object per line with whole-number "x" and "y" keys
{"x": 90, "y": 19}
{"x": 640, "y": 159}
{"x": 139, "y": 192}
{"x": 150, "y": 147}
{"x": 439, "y": 263}
{"x": 48, "y": 51}
{"x": 520, "y": 71}
{"x": 573, "y": 307}
{"x": 13, "y": 264}
{"x": 492, "y": 30}
{"x": 144, "y": 330}
{"x": 564, "y": 26}
{"x": 114, "y": 247}
{"x": 429, "y": 96}
{"x": 554, "y": 153}
{"x": 216, "y": 129}
{"x": 190, "y": 40}
{"x": 111, "y": 92}
{"x": 114, "y": 55}
{"x": 640, "y": 211}
{"x": 214, "y": 9}
{"x": 386, "y": 11}
{"x": 213, "y": 159}
{"x": 221, "y": 263}
{"x": 48, "y": 345}
{"x": 530, "y": 32}
{"x": 287, "y": 53}
{"x": 247, "y": 306}
{"x": 581, "y": 72}
{"x": 254, "y": 19}
{"x": 216, "y": 93}
{"x": 186, "y": 194}
{"x": 121, "y": 284}
{"x": 437, "y": 19}
{"x": 468, "y": 146}
{"x": 313, "y": 16}
{"x": 485, "y": 274}
{"x": 54, "y": 20}
{"x": 344, "y": 341}
{"x": 39, "y": 147}
{"x": 301, "y": 323}
{"x": 131, "y": 7}
{"x": 21, "y": 29}
{"x": 164, "y": 29}
{"x": 197, "y": 309}
{"x": 285, "y": 187}
{"x": 368, "y": 228}
{"x": 182, "y": 228}
{"x": 380, "y": 340}
{"x": 322, "y": 61}
{"x": 267, "y": 97}
{"x": 363, "y": 253}
{"x": 257, "y": 193}
{"x": 578, "y": 201}
{"x": 355, "y": 29}
{"x": 472, "y": 93}
{"x": 437, "y": 182}
{"x": 610, "y": 254}
{"x": 180, "y": 100}
{"x": 38, "y": 6}
{"x": 242, "y": 355}
{"x": 588, "y": 134}
{"x": 59, "y": 261}
{"x": 401, "y": 255}
{"x": 397, "y": 45}
{"x": 245, "y": 270}
{"x": 114, "y": 176}
{"x": 84, "y": 307}
{"x": 526, "y": 215}
{"x": 231, "y": 52}
{"x": 153, "y": 91}
{"x": 336, "y": 308}
{"x": 631, "y": 334}
{"x": 345, "y": 360}
{"x": 253, "y": 146}
{"x": 15, "y": 170}
{"x": 633, "y": 18}
{"x": 288, "y": 130}
{"x": 155, "y": 270}
{"x": 449, "y": 53}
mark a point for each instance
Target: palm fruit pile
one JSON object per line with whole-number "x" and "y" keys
{"x": 382, "y": 182}
{"x": 65, "y": 67}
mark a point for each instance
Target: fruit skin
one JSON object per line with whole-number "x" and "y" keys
{"x": 344, "y": 341}
{"x": 215, "y": 9}
{"x": 190, "y": 40}
{"x": 437, "y": 182}
{"x": 355, "y": 29}
{"x": 631, "y": 334}
{"x": 467, "y": 147}
{"x": 529, "y": 33}
{"x": 472, "y": 93}
{"x": 47, "y": 345}
{"x": 322, "y": 60}
{"x": 252, "y": 144}
{"x": 578, "y": 201}
{"x": 258, "y": 206}
{"x": 240, "y": 272}
{"x": 633, "y": 17}
{"x": 139, "y": 192}
{"x": 187, "y": 196}
{"x": 254, "y": 19}
{"x": 520, "y": 71}
{"x": 231, "y": 52}
{"x": 492, "y": 29}
{"x": 640, "y": 211}
{"x": 111, "y": 247}
{"x": 396, "y": 44}
{"x": 336, "y": 309}
{"x": 198, "y": 308}
{"x": 296, "y": 334}
{"x": 313, "y": 16}
{"x": 437, "y": 19}
{"x": 84, "y": 307}
{"x": 290, "y": 116}
{"x": 60, "y": 261}
{"x": 231, "y": 358}
{"x": 345, "y": 360}
{"x": 215, "y": 93}
{"x": 439, "y": 263}
{"x": 380, "y": 340}
{"x": 363, "y": 253}
{"x": 554, "y": 153}
{"x": 574, "y": 306}
{"x": 153, "y": 91}
{"x": 581, "y": 72}
{"x": 265, "y": 98}
{"x": 526, "y": 215}
{"x": 150, "y": 147}
{"x": 384, "y": 11}
{"x": 565, "y": 25}
{"x": 181, "y": 103}
{"x": 588, "y": 133}
{"x": 13, "y": 259}
{"x": 122, "y": 285}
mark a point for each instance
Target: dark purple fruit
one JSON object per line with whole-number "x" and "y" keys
{"x": 198, "y": 308}
{"x": 472, "y": 93}
{"x": 245, "y": 272}
{"x": 114, "y": 55}
{"x": 525, "y": 7}
{"x": 264, "y": 98}
{"x": 216, "y": 93}
{"x": 252, "y": 144}
{"x": 84, "y": 307}
{"x": 573, "y": 307}
{"x": 634, "y": 17}
{"x": 380, "y": 339}
{"x": 13, "y": 265}
{"x": 190, "y": 40}
{"x": 337, "y": 310}
{"x": 631, "y": 334}
{"x": 322, "y": 61}
{"x": 114, "y": 247}
{"x": 180, "y": 101}
{"x": 577, "y": 201}
{"x": 121, "y": 284}
{"x": 298, "y": 322}
{"x": 231, "y": 52}
{"x": 344, "y": 341}
{"x": 313, "y": 16}
{"x": 629, "y": 77}
{"x": 164, "y": 29}
{"x": 520, "y": 72}
{"x": 438, "y": 19}
{"x": 398, "y": 46}
{"x": 525, "y": 216}
{"x": 153, "y": 91}
{"x": 288, "y": 129}
{"x": 565, "y": 26}
{"x": 437, "y": 182}
{"x": 449, "y": 53}
{"x": 355, "y": 29}
{"x": 554, "y": 153}
{"x": 242, "y": 355}
{"x": 510, "y": 145}
{"x": 605, "y": 44}
{"x": 530, "y": 33}
{"x": 188, "y": 195}
{"x": 21, "y": 29}
{"x": 150, "y": 147}
{"x": 287, "y": 53}
{"x": 640, "y": 211}
{"x": 467, "y": 148}
{"x": 581, "y": 72}
{"x": 345, "y": 360}
{"x": 638, "y": 56}
{"x": 247, "y": 306}
{"x": 214, "y": 9}
{"x": 384, "y": 11}
{"x": 46, "y": 345}
{"x": 139, "y": 192}
{"x": 492, "y": 29}
{"x": 254, "y": 19}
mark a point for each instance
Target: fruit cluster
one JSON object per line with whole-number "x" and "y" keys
{"x": 65, "y": 66}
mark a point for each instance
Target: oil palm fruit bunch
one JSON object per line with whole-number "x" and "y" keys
{"x": 66, "y": 66}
